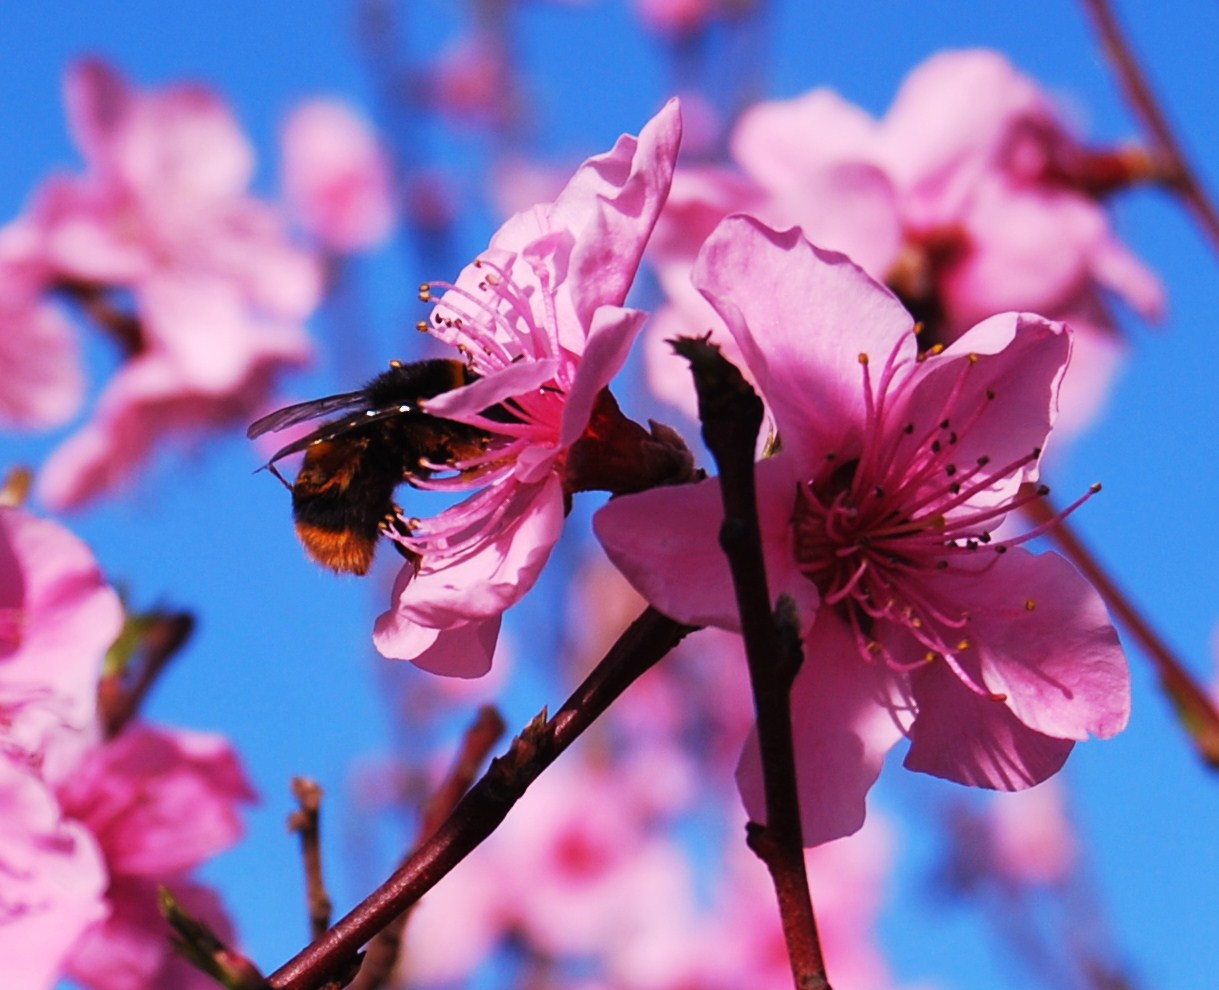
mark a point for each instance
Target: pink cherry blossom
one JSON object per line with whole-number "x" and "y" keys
{"x": 970, "y": 197}
{"x": 58, "y": 617}
{"x": 877, "y": 517}
{"x": 43, "y": 383}
{"x": 675, "y": 17}
{"x": 158, "y": 804}
{"x": 53, "y": 880}
{"x": 541, "y": 319}
{"x": 336, "y": 176}
{"x": 159, "y": 243}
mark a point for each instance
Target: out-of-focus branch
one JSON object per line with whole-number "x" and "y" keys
{"x": 148, "y": 642}
{"x": 731, "y": 414}
{"x": 486, "y": 804}
{"x": 1178, "y": 174}
{"x": 382, "y": 954}
{"x": 306, "y": 822}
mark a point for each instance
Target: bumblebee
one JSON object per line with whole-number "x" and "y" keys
{"x": 343, "y": 495}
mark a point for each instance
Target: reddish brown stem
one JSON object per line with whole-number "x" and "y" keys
{"x": 486, "y": 804}
{"x": 1179, "y": 175}
{"x": 382, "y": 955}
{"x": 1197, "y": 711}
{"x": 121, "y": 693}
{"x": 731, "y": 414}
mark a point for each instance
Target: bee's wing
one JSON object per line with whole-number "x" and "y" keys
{"x": 291, "y": 415}
{"x": 337, "y": 427}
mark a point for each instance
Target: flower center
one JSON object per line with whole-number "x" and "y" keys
{"x": 877, "y": 532}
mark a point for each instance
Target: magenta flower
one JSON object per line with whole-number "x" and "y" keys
{"x": 336, "y": 176}
{"x": 969, "y": 197}
{"x": 160, "y": 244}
{"x": 540, "y": 317}
{"x": 878, "y": 517}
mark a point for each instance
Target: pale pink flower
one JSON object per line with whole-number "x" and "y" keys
{"x": 161, "y": 216}
{"x": 970, "y": 197}
{"x": 336, "y": 176}
{"x": 540, "y": 316}
{"x": 51, "y": 881}
{"x": 43, "y": 383}
{"x": 1032, "y": 841}
{"x": 877, "y": 517}
{"x": 158, "y": 804}
{"x": 58, "y": 617}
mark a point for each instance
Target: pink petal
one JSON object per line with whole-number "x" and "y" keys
{"x": 1018, "y": 359}
{"x": 610, "y": 337}
{"x": 470, "y": 400}
{"x": 1059, "y": 663}
{"x": 461, "y": 651}
{"x": 974, "y": 740}
{"x": 159, "y": 802}
{"x": 665, "y": 541}
{"x": 846, "y": 716}
{"x": 70, "y": 617}
{"x": 802, "y": 317}
{"x": 54, "y": 881}
{"x": 43, "y": 383}
{"x": 456, "y": 592}
{"x": 782, "y": 143}
{"x": 610, "y": 207}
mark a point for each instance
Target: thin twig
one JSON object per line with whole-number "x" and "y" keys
{"x": 1179, "y": 175}
{"x": 487, "y": 803}
{"x": 1197, "y": 711}
{"x": 731, "y": 414}
{"x": 382, "y": 954}
{"x": 306, "y": 822}
{"x": 158, "y": 637}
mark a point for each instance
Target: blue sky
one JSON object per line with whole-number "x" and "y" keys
{"x": 282, "y": 661}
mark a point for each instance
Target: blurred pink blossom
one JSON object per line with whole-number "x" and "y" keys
{"x": 159, "y": 243}
{"x": 876, "y": 517}
{"x": 53, "y": 880}
{"x": 336, "y": 176}
{"x": 58, "y": 617}
{"x": 43, "y": 383}
{"x": 471, "y": 82}
{"x": 969, "y": 197}
{"x": 158, "y": 803}
{"x": 676, "y": 18}
{"x": 1031, "y": 835}
{"x": 540, "y": 316}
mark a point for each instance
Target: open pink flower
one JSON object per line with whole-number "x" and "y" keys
{"x": 877, "y": 517}
{"x": 969, "y": 197}
{"x": 158, "y": 804}
{"x": 336, "y": 176}
{"x": 540, "y": 316}
{"x": 159, "y": 242}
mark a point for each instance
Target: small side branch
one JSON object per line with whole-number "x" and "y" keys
{"x": 1179, "y": 175}
{"x": 486, "y": 804}
{"x": 306, "y": 822}
{"x": 383, "y": 951}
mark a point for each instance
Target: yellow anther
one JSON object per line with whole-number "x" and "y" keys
{"x": 1030, "y": 605}
{"x": 863, "y": 358}
{"x": 963, "y": 645}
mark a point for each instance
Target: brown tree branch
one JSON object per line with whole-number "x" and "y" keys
{"x": 486, "y": 804}
{"x": 731, "y": 414}
{"x": 382, "y": 954}
{"x": 1179, "y": 174}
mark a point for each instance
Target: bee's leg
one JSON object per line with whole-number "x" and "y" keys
{"x": 394, "y": 525}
